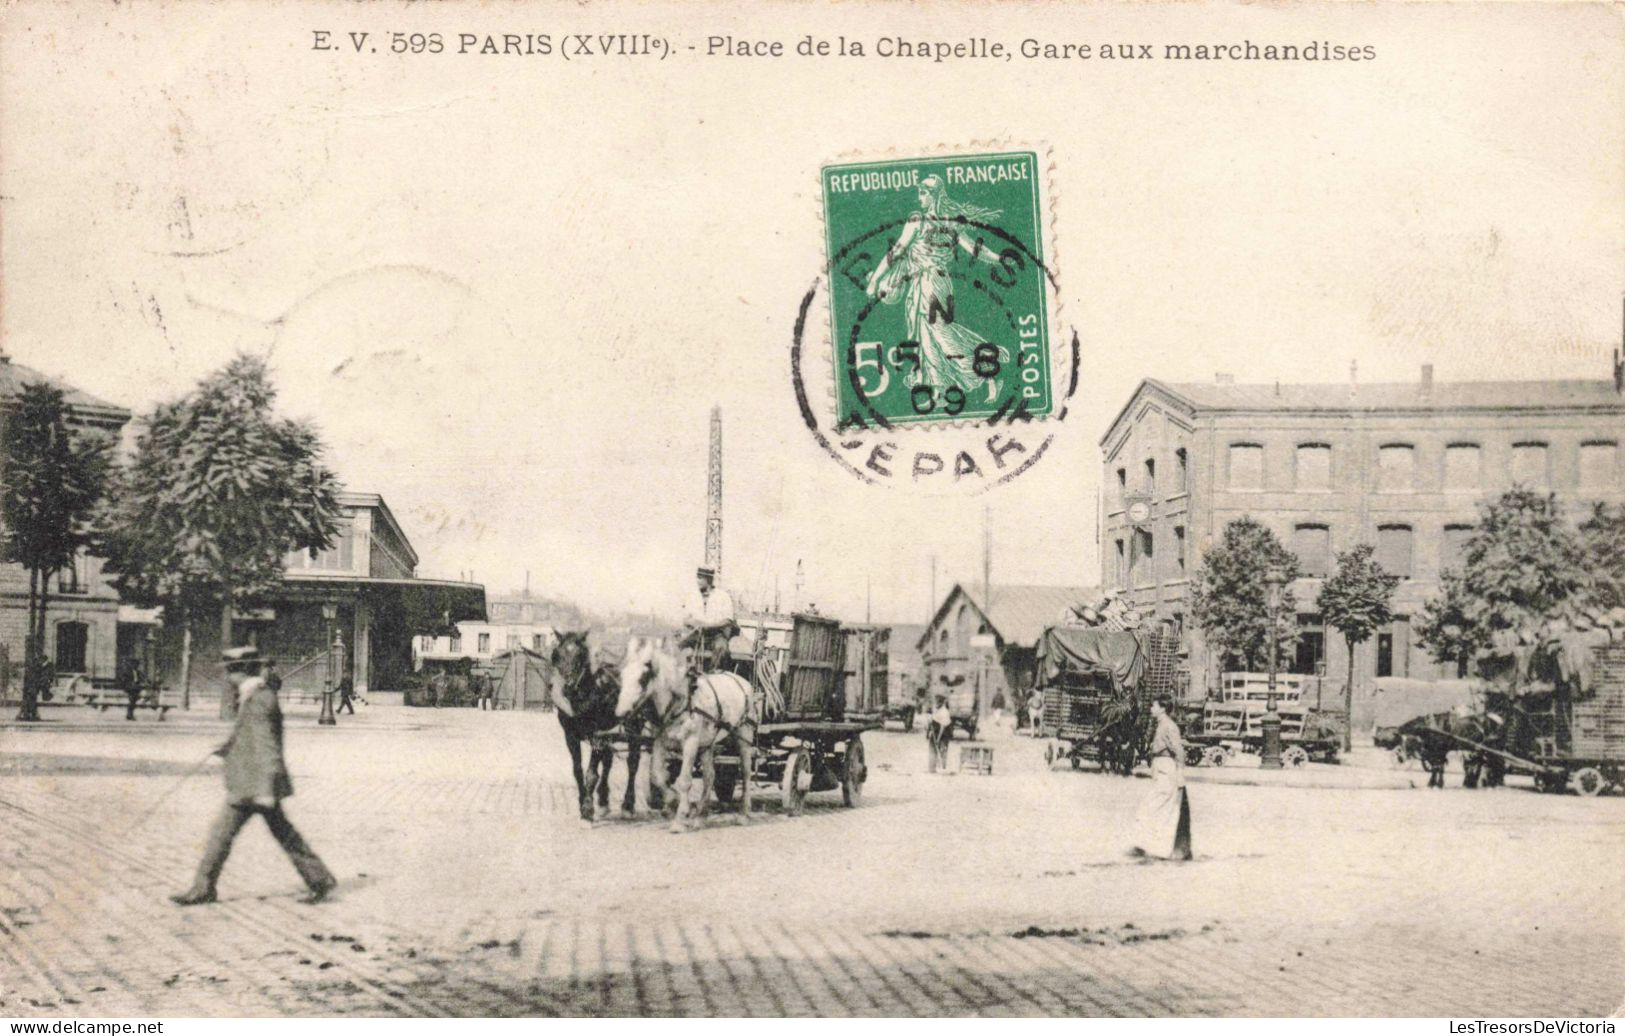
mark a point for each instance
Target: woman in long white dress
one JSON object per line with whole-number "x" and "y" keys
{"x": 915, "y": 272}
{"x": 1164, "y": 820}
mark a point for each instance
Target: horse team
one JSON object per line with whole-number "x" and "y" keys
{"x": 686, "y": 719}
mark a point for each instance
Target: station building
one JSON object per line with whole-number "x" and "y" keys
{"x": 83, "y": 634}
{"x": 1401, "y": 466}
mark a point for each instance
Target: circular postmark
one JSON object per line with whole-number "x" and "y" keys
{"x": 939, "y": 364}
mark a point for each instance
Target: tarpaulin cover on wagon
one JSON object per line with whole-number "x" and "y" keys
{"x": 1118, "y": 654}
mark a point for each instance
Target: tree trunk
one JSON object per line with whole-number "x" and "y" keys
{"x": 228, "y": 693}
{"x": 31, "y": 649}
{"x": 1348, "y": 701}
{"x": 186, "y": 664}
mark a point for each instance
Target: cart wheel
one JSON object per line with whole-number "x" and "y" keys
{"x": 857, "y": 772}
{"x": 797, "y": 775}
{"x": 1215, "y": 755}
{"x": 1193, "y": 755}
{"x": 1589, "y": 781}
{"x": 1294, "y": 755}
{"x": 1077, "y": 761}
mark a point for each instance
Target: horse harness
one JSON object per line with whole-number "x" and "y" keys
{"x": 681, "y": 709}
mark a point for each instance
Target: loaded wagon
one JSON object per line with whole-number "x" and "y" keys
{"x": 1230, "y": 720}
{"x": 1569, "y": 731}
{"x": 807, "y": 742}
{"x": 1096, "y": 686}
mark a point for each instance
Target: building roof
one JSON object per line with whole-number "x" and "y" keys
{"x": 1442, "y": 395}
{"x": 13, "y": 376}
{"x": 1595, "y": 395}
{"x": 1019, "y": 614}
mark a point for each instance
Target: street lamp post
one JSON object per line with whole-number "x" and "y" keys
{"x": 330, "y": 612}
{"x": 1274, "y": 579}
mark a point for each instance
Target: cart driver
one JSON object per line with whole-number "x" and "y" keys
{"x": 708, "y": 624}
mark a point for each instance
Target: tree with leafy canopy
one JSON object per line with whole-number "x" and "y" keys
{"x": 1522, "y": 566}
{"x": 1355, "y": 600}
{"x": 1230, "y": 602}
{"x": 53, "y": 479}
{"x": 219, "y": 492}
{"x": 1602, "y": 540}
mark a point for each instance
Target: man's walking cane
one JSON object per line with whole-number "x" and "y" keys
{"x": 147, "y": 813}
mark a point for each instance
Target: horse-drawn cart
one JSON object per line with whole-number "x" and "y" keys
{"x": 1231, "y": 721}
{"x": 807, "y": 742}
{"x": 1096, "y": 686}
{"x": 1569, "y": 731}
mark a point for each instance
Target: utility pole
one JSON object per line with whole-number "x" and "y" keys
{"x": 987, "y": 557}
{"x": 713, "y": 499}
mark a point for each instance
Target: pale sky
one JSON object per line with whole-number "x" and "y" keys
{"x": 509, "y": 290}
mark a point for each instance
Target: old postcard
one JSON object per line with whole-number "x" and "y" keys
{"x": 820, "y": 509}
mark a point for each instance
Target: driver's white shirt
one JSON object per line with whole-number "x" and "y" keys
{"x": 709, "y": 610}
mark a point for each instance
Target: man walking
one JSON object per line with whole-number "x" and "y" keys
{"x": 256, "y": 782}
{"x": 346, "y": 694}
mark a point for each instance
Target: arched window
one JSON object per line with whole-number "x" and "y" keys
{"x": 1530, "y": 466}
{"x": 1396, "y": 468}
{"x": 1312, "y": 472}
{"x": 1246, "y": 466}
{"x": 1312, "y": 544}
{"x": 1463, "y": 468}
{"x": 1394, "y": 549}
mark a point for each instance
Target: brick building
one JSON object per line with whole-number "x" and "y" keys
{"x": 1400, "y": 466}
{"x": 82, "y": 633}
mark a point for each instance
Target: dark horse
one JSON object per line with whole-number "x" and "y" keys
{"x": 585, "y": 697}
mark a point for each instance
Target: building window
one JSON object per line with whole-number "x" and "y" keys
{"x": 1453, "y": 549}
{"x": 1151, "y": 479}
{"x": 457, "y": 645}
{"x": 1385, "y": 654}
{"x": 1145, "y": 562}
{"x": 484, "y": 644}
{"x": 1394, "y": 649}
{"x": 1313, "y": 472}
{"x": 1529, "y": 465}
{"x": 1462, "y": 468}
{"x": 1182, "y": 471}
{"x": 72, "y": 645}
{"x": 425, "y": 644}
{"x": 1120, "y": 572}
{"x": 1310, "y": 658}
{"x": 1122, "y": 486}
{"x": 1396, "y": 468}
{"x": 1312, "y": 544}
{"x": 536, "y": 642}
{"x": 1179, "y": 550}
{"x": 1394, "y": 549}
{"x": 1598, "y": 465}
{"x": 1246, "y": 466}
{"x": 70, "y": 578}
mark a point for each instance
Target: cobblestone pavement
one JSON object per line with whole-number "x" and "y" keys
{"x": 470, "y": 887}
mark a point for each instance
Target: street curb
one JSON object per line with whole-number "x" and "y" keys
{"x": 1329, "y": 778}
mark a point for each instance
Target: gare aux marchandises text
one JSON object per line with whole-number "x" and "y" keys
{"x": 642, "y": 46}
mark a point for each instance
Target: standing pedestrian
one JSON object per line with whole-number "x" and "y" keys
{"x": 272, "y": 678}
{"x": 256, "y": 782}
{"x": 1165, "y": 814}
{"x": 938, "y": 733}
{"x": 346, "y": 694}
{"x": 130, "y": 681}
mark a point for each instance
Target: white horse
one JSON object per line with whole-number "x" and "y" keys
{"x": 694, "y": 725}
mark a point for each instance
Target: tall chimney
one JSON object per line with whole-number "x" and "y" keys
{"x": 1427, "y": 381}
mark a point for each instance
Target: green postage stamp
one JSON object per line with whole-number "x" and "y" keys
{"x": 939, "y": 293}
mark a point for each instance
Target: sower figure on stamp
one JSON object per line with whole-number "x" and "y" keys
{"x": 256, "y": 782}
{"x": 709, "y": 623}
{"x": 1165, "y": 815}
